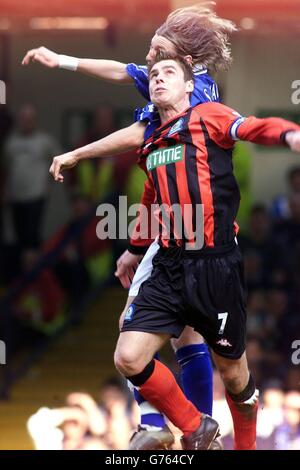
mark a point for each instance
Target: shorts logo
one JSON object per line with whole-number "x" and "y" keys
{"x": 130, "y": 312}
{"x": 224, "y": 342}
{"x": 164, "y": 156}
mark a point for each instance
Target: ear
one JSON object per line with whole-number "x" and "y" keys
{"x": 189, "y": 59}
{"x": 190, "y": 86}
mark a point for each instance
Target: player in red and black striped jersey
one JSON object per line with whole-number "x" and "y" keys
{"x": 188, "y": 161}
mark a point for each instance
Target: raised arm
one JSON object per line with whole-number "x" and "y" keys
{"x": 109, "y": 70}
{"x": 124, "y": 140}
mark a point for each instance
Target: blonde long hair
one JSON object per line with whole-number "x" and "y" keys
{"x": 199, "y": 32}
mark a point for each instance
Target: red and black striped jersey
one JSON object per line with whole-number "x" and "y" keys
{"x": 189, "y": 164}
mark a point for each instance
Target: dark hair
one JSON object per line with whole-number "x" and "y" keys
{"x": 185, "y": 66}
{"x": 115, "y": 382}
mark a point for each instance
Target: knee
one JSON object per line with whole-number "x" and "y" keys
{"x": 127, "y": 362}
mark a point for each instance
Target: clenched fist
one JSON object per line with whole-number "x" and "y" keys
{"x": 293, "y": 140}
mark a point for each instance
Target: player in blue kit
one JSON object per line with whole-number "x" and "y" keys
{"x": 201, "y": 37}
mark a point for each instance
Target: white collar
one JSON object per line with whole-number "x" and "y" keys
{"x": 199, "y": 69}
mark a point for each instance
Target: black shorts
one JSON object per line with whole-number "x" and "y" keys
{"x": 203, "y": 289}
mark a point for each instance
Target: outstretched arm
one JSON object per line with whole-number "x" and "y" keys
{"x": 270, "y": 131}
{"x": 124, "y": 140}
{"x": 109, "y": 70}
{"x": 226, "y": 126}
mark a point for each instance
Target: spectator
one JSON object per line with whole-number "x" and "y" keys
{"x": 286, "y": 241}
{"x": 256, "y": 359}
{"x": 256, "y": 247}
{"x": 256, "y": 314}
{"x": 83, "y": 259}
{"x": 270, "y": 415}
{"x": 95, "y": 178}
{"x": 280, "y": 209}
{"x": 277, "y": 329}
{"x": 41, "y": 303}
{"x": 287, "y": 435}
{"x": 65, "y": 428}
{"x": 292, "y": 377}
{"x": 96, "y": 416}
{"x": 28, "y": 154}
{"x": 84, "y": 424}
{"x": 114, "y": 398}
{"x": 5, "y": 127}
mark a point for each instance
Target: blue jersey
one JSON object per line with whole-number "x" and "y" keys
{"x": 205, "y": 89}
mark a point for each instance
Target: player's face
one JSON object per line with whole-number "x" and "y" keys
{"x": 159, "y": 43}
{"x": 167, "y": 85}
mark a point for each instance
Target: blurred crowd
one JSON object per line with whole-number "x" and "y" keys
{"x": 83, "y": 423}
{"x": 272, "y": 268}
{"x": 43, "y": 280}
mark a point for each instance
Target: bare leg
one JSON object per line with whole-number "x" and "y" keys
{"x": 234, "y": 373}
{"x": 187, "y": 337}
{"x": 242, "y": 399}
{"x": 135, "y": 349}
{"x": 129, "y": 301}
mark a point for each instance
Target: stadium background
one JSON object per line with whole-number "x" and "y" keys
{"x": 71, "y": 351}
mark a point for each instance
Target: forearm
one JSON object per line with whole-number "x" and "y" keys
{"x": 110, "y": 70}
{"x": 101, "y": 68}
{"x": 118, "y": 142}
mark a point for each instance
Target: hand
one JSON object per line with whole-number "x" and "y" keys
{"x": 121, "y": 319}
{"x": 293, "y": 140}
{"x": 126, "y": 265}
{"x": 80, "y": 399}
{"x": 62, "y": 162}
{"x": 42, "y": 55}
{"x": 96, "y": 418}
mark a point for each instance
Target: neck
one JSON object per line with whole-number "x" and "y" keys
{"x": 168, "y": 112}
